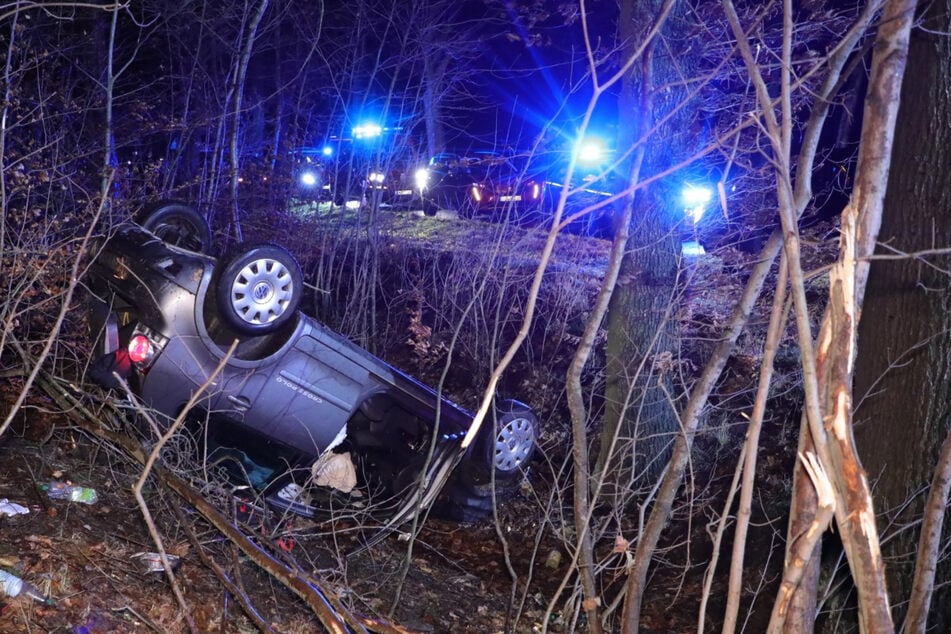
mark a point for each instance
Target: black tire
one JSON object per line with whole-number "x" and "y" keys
{"x": 178, "y": 224}
{"x": 429, "y": 207}
{"x": 507, "y": 443}
{"x": 466, "y": 208}
{"x": 465, "y": 508}
{"x": 259, "y": 289}
{"x": 468, "y": 498}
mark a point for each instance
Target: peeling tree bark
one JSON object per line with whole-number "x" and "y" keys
{"x": 902, "y": 376}
{"x": 796, "y": 202}
{"x": 829, "y": 379}
{"x": 800, "y": 555}
{"x": 861, "y": 220}
{"x": 803, "y": 510}
{"x": 827, "y": 370}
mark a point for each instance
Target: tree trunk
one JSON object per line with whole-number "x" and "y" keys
{"x": 639, "y": 420}
{"x": 433, "y": 73}
{"x": 904, "y": 358}
{"x": 241, "y": 73}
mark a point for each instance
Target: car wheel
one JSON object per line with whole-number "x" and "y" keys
{"x": 469, "y": 497}
{"x": 466, "y": 209}
{"x": 465, "y": 506}
{"x": 512, "y": 445}
{"x": 259, "y": 289}
{"x": 429, "y": 207}
{"x": 508, "y": 443}
{"x": 177, "y": 224}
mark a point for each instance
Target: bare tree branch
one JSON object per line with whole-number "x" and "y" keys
{"x": 929, "y": 544}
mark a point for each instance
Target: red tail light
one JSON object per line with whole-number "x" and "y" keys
{"x": 141, "y": 350}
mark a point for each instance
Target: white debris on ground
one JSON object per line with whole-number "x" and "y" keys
{"x": 12, "y": 508}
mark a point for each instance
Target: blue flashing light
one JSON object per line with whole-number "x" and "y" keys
{"x": 695, "y": 199}
{"x": 327, "y": 150}
{"x": 367, "y": 131}
{"x": 590, "y": 151}
{"x": 694, "y": 195}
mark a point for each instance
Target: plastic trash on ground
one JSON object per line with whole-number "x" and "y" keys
{"x": 12, "y": 586}
{"x": 65, "y": 491}
{"x": 12, "y": 508}
{"x": 153, "y": 561}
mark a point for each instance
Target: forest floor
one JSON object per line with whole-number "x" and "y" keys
{"x": 458, "y": 578}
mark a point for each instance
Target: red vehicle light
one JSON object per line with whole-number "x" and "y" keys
{"x": 140, "y": 349}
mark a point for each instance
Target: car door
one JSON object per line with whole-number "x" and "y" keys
{"x": 306, "y": 398}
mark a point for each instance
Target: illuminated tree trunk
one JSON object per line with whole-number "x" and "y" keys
{"x": 237, "y": 93}
{"x": 433, "y": 73}
{"x": 843, "y": 488}
{"x": 904, "y": 363}
{"x": 639, "y": 420}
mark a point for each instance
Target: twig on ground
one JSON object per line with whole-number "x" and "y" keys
{"x": 234, "y": 587}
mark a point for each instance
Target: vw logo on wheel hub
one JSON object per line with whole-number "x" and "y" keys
{"x": 261, "y": 292}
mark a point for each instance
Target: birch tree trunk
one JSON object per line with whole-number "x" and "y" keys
{"x": 828, "y": 370}
{"x": 904, "y": 362}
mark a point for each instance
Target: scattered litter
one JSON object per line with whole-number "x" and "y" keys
{"x": 12, "y": 586}
{"x": 65, "y": 491}
{"x": 153, "y": 561}
{"x": 11, "y": 508}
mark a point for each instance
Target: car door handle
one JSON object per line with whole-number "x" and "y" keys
{"x": 241, "y": 403}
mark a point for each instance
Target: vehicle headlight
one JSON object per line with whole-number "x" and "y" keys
{"x": 376, "y": 177}
{"x": 422, "y": 178}
{"x": 308, "y": 179}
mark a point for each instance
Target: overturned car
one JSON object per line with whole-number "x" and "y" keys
{"x": 309, "y": 420}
